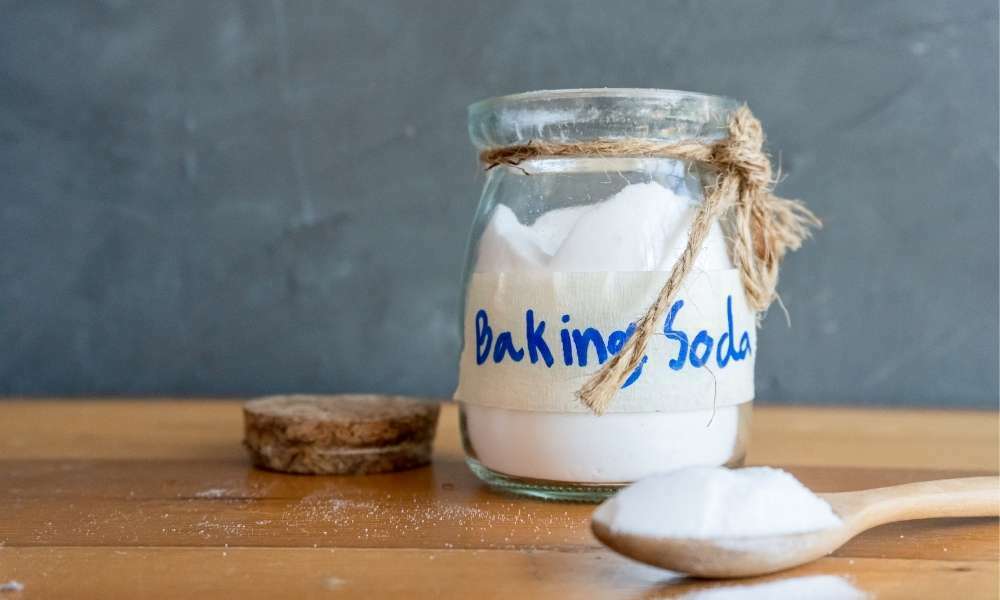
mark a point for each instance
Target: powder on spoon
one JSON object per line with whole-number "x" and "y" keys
{"x": 715, "y": 502}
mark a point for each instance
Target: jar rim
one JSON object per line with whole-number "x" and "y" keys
{"x": 598, "y": 113}
{"x": 665, "y": 94}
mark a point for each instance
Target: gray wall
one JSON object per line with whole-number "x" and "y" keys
{"x": 244, "y": 197}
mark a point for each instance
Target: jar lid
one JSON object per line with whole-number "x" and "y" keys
{"x": 339, "y": 434}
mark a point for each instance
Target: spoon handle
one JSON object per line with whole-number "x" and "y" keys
{"x": 964, "y": 497}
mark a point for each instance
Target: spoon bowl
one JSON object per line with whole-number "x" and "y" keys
{"x": 723, "y": 557}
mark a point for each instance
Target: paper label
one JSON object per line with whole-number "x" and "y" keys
{"x": 532, "y": 339}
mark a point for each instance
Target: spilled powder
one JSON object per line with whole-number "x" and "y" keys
{"x": 12, "y": 586}
{"x": 715, "y": 502}
{"x": 395, "y": 517}
{"x": 333, "y": 583}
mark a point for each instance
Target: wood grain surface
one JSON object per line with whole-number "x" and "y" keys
{"x": 155, "y": 499}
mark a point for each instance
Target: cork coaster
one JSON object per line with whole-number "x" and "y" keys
{"x": 342, "y": 434}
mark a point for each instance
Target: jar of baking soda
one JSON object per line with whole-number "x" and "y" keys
{"x": 625, "y": 243}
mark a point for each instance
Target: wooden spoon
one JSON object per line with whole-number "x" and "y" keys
{"x": 858, "y": 511}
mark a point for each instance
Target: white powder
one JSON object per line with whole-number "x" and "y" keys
{"x": 641, "y": 228}
{"x": 713, "y": 502}
{"x": 610, "y": 448}
{"x": 814, "y": 587}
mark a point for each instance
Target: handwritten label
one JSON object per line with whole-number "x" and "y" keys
{"x": 531, "y": 340}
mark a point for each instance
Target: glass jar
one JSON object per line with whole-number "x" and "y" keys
{"x": 565, "y": 253}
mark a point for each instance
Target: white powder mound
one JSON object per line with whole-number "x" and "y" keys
{"x": 713, "y": 502}
{"x": 610, "y": 237}
{"x": 643, "y": 227}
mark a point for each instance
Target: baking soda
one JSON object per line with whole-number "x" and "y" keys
{"x": 641, "y": 228}
{"x": 707, "y": 502}
{"x": 814, "y": 587}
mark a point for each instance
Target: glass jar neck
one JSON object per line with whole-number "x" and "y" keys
{"x": 592, "y": 164}
{"x": 576, "y": 115}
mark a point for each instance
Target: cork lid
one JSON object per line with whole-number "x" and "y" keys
{"x": 339, "y": 434}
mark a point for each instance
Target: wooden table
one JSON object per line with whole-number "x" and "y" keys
{"x": 155, "y": 499}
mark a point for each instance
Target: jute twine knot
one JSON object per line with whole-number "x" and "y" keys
{"x": 762, "y": 227}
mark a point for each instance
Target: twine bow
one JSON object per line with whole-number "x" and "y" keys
{"x": 763, "y": 227}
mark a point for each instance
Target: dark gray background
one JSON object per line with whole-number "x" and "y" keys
{"x": 231, "y": 197}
